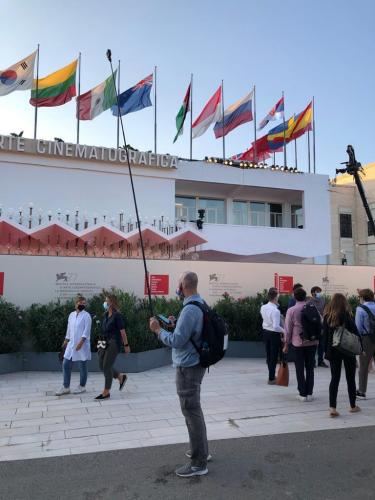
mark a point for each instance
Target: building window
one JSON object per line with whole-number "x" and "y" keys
{"x": 276, "y": 215}
{"x": 297, "y": 216}
{"x": 240, "y": 213}
{"x": 215, "y": 210}
{"x": 346, "y": 226}
{"x": 257, "y": 213}
{"x": 186, "y": 209}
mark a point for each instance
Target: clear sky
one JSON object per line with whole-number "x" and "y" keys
{"x": 321, "y": 48}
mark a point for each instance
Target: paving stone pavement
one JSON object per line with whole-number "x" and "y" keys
{"x": 237, "y": 403}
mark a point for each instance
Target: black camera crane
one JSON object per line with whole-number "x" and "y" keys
{"x": 354, "y": 168}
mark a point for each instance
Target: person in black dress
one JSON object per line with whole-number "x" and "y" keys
{"x": 338, "y": 313}
{"x": 114, "y": 334}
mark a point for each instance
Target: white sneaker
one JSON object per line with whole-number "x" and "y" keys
{"x": 62, "y": 391}
{"x": 310, "y": 398}
{"x": 79, "y": 390}
{"x": 301, "y": 398}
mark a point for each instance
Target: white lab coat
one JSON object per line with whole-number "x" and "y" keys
{"x": 79, "y": 325}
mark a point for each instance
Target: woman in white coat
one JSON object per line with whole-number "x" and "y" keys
{"x": 77, "y": 344}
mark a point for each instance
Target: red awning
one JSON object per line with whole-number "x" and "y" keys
{"x": 102, "y": 236}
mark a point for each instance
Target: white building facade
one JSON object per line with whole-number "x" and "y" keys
{"x": 51, "y": 190}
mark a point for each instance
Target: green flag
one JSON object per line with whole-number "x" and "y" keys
{"x": 181, "y": 115}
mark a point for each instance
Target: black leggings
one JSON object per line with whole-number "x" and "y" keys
{"x": 349, "y": 363}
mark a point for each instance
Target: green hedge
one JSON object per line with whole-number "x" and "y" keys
{"x": 42, "y": 327}
{"x": 11, "y": 327}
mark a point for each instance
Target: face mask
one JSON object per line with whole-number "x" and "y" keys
{"x": 105, "y": 306}
{"x": 318, "y": 295}
{"x": 81, "y": 307}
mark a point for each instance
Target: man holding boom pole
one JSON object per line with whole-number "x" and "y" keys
{"x": 185, "y": 340}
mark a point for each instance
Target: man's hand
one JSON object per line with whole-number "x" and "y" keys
{"x": 127, "y": 349}
{"x": 65, "y": 343}
{"x": 155, "y": 325}
{"x": 172, "y": 319}
{"x": 285, "y": 348}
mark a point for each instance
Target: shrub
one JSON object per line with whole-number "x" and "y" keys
{"x": 46, "y": 325}
{"x": 242, "y": 316}
{"x": 11, "y": 328}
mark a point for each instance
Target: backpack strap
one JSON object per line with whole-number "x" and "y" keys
{"x": 368, "y": 310}
{"x": 369, "y": 314}
{"x": 203, "y": 307}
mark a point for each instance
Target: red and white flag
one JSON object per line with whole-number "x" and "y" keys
{"x": 211, "y": 113}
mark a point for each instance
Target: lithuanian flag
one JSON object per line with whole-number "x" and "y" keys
{"x": 55, "y": 89}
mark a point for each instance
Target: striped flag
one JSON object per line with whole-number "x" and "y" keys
{"x": 238, "y": 113}
{"x": 276, "y": 113}
{"x": 182, "y": 112}
{"x": 97, "y": 100}
{"x": 211, "y": 113}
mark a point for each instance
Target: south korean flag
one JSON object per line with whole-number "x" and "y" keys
{"x": 19, "y": 76}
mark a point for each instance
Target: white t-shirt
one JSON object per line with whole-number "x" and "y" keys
{"x": 79, "y": 325}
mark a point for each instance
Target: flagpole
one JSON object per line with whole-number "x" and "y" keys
{"x": 274, "y": 158}
{"x": 255, "y": 128}
{"x": 155, "y": 129}
{"x": 295, "y": 153}
{"x": 79, "y": 93}
{"x": 313, "y": 110}
{"x": 308, "y": 149}
{"x": 36, "y": 100}
{"x": 191, "y": 116}
{"x": 284, "y": 132}
{"x": 222, "y": 112}
{"x": 118, "y": 93}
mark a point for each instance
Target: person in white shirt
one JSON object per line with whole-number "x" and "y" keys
{"x": 77, "y": 346}
{"x": 272, "y": 332}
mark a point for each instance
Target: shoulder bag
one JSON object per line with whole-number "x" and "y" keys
{"x": 346, "y": 342}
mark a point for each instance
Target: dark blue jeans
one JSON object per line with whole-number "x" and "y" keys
{"x": 304, "y": 360}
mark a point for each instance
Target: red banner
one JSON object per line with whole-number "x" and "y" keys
{"x": 284, "y": 283}
{"x": 159, "y": 284}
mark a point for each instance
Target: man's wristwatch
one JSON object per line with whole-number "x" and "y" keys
{"x": 126, "y": 345}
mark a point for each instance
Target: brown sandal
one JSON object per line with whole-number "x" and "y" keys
{"x": 356, "y": 409}
{"x": 333, "y": 413}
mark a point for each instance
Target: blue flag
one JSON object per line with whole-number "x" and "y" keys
{"x": 135, "y": 98}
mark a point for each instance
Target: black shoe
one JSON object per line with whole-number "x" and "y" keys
{"x": 360, "y": 395}
{"x": 323, "y": 365}
{"x": 103, "y": 397}
{"x": 124, "y": 379}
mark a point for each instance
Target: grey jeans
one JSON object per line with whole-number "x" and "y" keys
{"x": 188, "y": 383}
{"x": 364, "y": 360}
{"x": 107, "y": 358}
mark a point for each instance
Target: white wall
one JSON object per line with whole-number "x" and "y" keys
{"x": 249, "y": 240}
{"x": 53, "y": 183}
{"x": 30, "y": 279}
{"x": 313, "y": 240}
